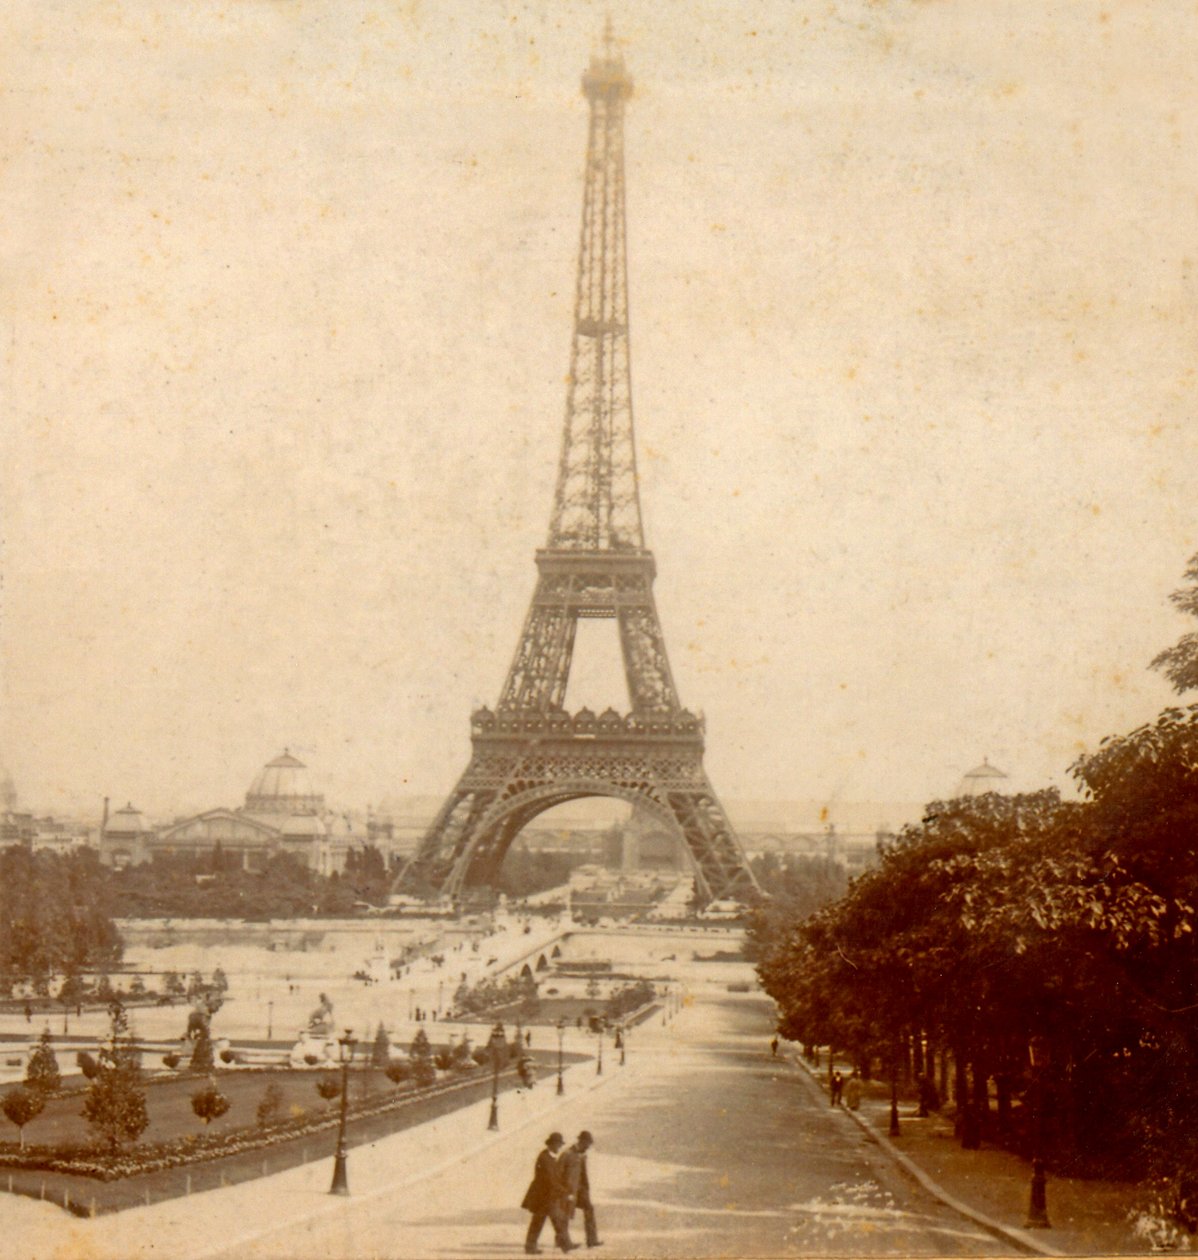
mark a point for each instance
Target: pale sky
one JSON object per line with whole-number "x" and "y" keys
{"x": 286, "y": 315}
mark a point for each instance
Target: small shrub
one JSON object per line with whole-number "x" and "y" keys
{"x": 20, "y": 1105}
{"x": 87, "y": 1064}
{"x": 398, "y": 1072}
{"x": 480, "y": 1054}
{"x": 171, "y": 1060}
{"x": 380, "y": 1051}
{"x": 328, "y": 1087}
{"x": 311, "y": 1059}
{"x": 42, "y": 1073}
{"x": 228, "y": 1056}
{"x": 271, "y": 1104}
{"x": 443, "y": 1060}
{"x": 209, "y": 1104}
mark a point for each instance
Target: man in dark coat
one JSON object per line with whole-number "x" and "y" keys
{"x": 545, "y": 1198}
{"x": 578, "y": 1185}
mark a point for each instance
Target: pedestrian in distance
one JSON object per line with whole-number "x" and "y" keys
{"x": 837, "y": 1087}
{"x": 774, "y": 1046}
{"x": 578, "y": 1185}
{"x": 852, "y": 1091}
{"x": 545, "y": 1197}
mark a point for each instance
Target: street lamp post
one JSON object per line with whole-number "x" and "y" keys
{"x": 340, "y": 1183}
{"x": 561, "y": 1037}
{"x": 497, "y": 1045}
{"x": 623, "y": 1035}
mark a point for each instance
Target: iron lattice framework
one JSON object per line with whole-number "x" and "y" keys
{"x": 530, "y": 754}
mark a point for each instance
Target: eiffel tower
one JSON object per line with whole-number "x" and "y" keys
{"x": 529, "y": 754}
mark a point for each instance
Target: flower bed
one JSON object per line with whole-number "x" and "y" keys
{"x": 93, "y": 1161}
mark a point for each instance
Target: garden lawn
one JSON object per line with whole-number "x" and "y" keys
{"x": 169, "y": 1105}
{"x": 168, "y": 1102}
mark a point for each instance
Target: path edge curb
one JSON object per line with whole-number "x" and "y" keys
{"x": 1018, "y": 1238}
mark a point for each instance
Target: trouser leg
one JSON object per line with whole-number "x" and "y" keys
{"x": 561, "y": 1225}
{"x": 588, "y": 1220}
{"x": 535, "y": 1224}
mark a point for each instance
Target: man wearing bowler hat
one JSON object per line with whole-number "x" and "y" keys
{"x": 546, "y": 1197}
{"x": 578, "y": 1185}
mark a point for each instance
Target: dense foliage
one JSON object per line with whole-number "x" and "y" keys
{"x": 55, "y": 916}
{"x": 1179, "y": 663}
{"x": 1042, "y": 945}
{"x": 216, "y": 886}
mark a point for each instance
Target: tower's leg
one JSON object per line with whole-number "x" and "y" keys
{"x": 720, "y": 867}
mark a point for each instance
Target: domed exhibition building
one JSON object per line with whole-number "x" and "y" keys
{"x": 283, "y": 813}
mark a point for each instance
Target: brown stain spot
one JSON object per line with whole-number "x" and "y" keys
{"x": 823, "y": 813}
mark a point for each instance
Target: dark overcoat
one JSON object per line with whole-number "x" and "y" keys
{"x": 546, "y": 1184}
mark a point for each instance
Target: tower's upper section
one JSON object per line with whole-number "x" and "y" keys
{"x": 596, "y": 506}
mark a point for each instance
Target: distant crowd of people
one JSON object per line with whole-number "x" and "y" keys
{"x": 560, "y": 1185}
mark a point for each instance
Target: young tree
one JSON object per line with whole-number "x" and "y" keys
{"x": 220, "y": 982}
{"x": 380, "y": 1051}
{"x": 115, "y": 1105}
{"x": 209, "y": 1103}
{"x": 42, "y": 1071}
{"x": 328, "y": 1086}
{"x": 1179, "y": 663}
{"x": 398, "y": 1071}
{"x": 202, "y": 1059}
{"x": 20, "y": 1105}
{"x": 423, "y": 1069}
{"x": 172, "y": 984}
{"x": 270, "y": 1105}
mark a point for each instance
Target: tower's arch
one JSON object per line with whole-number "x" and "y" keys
{"x": 479, "y": 861}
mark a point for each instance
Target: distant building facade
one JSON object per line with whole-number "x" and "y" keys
{"x": 283, "y": 813}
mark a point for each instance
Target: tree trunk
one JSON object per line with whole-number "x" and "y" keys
{"x": 1002, "y": 1085}
{"x": 967, "y": 1116}
{"x": 981, "y": 1098}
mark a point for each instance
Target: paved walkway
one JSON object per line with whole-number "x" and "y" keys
{"x": 705, "y": 1146}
